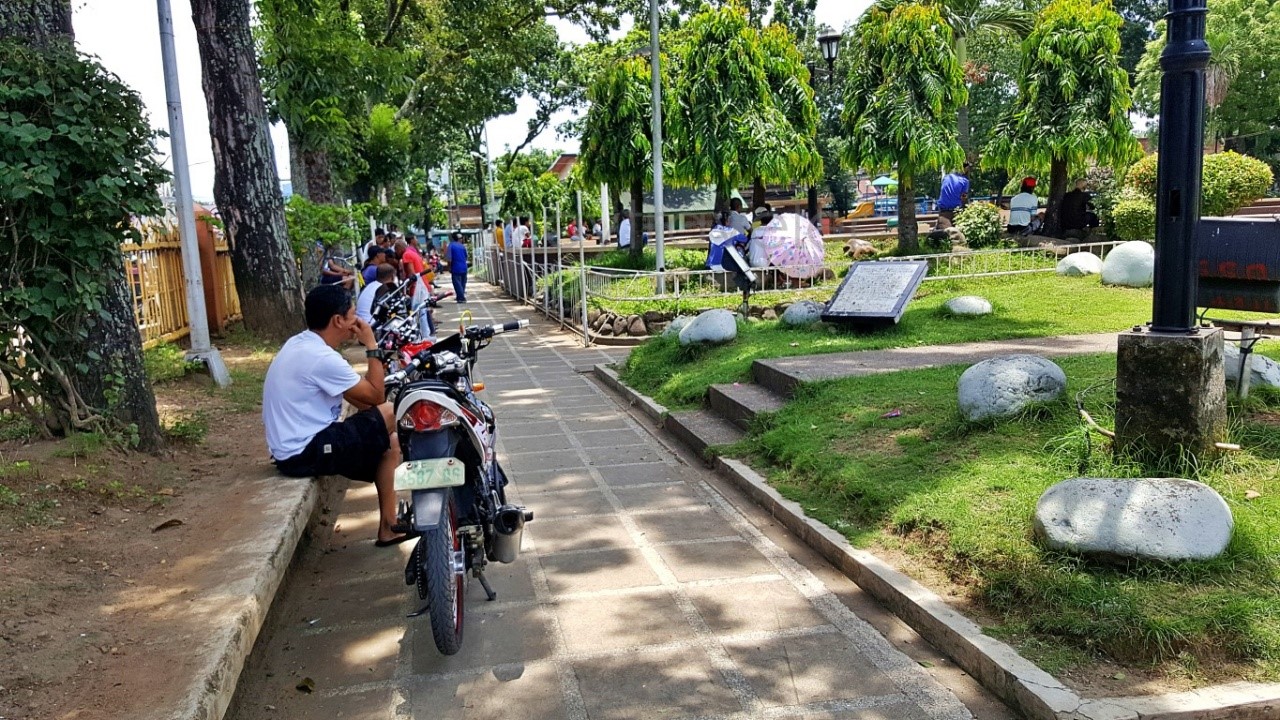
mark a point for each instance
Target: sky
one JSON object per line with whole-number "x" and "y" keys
{"x": 125, "y": 36}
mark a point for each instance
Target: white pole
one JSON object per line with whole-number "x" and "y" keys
{"x": 604, "y": 214}
{"x": 658, "y": 219}
{"x": 201, "y": 347}
{"x": 582, "y": 274}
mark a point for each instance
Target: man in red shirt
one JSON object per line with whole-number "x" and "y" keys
{"x": 410, "y": 259}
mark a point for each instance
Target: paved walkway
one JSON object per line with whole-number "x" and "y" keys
{"x": 642, "y": 592}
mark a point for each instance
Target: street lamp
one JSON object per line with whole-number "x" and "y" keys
{"x": 829, "y": 44}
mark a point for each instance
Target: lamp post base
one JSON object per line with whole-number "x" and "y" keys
{"x": 1170, "y": 394}
{"x": 212, "y": 360}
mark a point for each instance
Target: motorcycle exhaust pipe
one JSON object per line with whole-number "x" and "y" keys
{"x": 508, "y": 526}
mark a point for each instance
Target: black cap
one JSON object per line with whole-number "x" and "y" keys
{"x": 455, "y": 235}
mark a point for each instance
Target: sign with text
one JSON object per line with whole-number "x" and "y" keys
{"x": 875, "y": 293}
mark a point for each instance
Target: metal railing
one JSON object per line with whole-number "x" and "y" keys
{"x": 564, "y": 292}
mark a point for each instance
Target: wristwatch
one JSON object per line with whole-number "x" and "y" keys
{"x": 372, "y": 353}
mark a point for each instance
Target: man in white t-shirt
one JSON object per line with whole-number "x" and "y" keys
{"x": 302, "y": 403}
{"x": 757, "y": 252}
{"x": 737, "y": 219}
{"x": 1023, "y": 208}
{"x": 624, "y": 230}
{"x": 364, "y": 303}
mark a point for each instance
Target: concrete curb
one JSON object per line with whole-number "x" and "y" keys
{"x": 997, "y": 666}
{"x": 291, "y": 505}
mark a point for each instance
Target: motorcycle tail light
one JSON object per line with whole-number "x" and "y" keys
{"x": 425, "y": 416}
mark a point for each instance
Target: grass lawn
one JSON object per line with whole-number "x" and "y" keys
{"x": 1038, "y": 305}
{"x": 954, "y": 502}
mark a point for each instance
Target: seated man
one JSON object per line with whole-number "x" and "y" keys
{"x": 1023, "y": 208}
{"x": 364, "y": 303}
{"x": 302, "y": 402}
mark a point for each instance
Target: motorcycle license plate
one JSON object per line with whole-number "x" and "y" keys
{"x": 430, "y": 474}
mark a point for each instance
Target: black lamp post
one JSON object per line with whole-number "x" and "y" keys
{"x": 1186, "y": 54}
{"x": 829, "y": 44}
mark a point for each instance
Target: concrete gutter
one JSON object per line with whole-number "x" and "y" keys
{"x": 1019, "y": 682}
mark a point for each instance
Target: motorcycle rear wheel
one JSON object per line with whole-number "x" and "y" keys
{"x": 442, "y": 581}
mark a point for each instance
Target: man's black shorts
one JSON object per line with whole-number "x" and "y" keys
{"x": 351, "y": 448}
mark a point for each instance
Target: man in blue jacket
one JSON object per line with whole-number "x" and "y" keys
{"x": 457, "y": 257}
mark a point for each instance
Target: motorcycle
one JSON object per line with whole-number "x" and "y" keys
{"x": 457, "y": 503}
{"x": 403, "y": 322}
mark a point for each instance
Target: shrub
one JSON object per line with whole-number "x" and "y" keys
{"x": 1230, "y": 181}
{"x": 981, "y": 224}
{"x": 1134, "y": 216}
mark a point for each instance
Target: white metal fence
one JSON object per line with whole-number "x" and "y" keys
{"x": 558, "y": 285}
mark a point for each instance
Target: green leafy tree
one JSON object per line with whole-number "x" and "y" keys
{"x": 789, "y": 81}
{"x": 728, "y": 126}
{"x": 617, "y": 142}
{"x": 1073, "y": 99}
{"x": 77, "y": 161}
{"x": 903, "y": 86}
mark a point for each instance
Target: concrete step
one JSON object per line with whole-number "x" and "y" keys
{"x": 739, "y": 403}
{"x": 701, "y": 429}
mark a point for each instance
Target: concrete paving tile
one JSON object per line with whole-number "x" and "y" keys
{"x": 530, "y": 693}
{"x": 642, "y": 474}
{"x": 807, "y": 669}
{"x": 697, "y": 524}
{"x": 538, "y": 481}
{"x": 567, "y": 534}
{"x": 896, "y": 711}
{"x": 627, "y": 454}
{"x": 606, "y": 570}
{"x": 615, "y": 422}
{"x": 558, "y": 442}
{"x": 753, "y": 607}
{"x": 610, "y": 438}
{"x": 641, "y": 686}
{"x": 331, "y": 602}
{"x": 610, "y": 623}
{"x": 666, "y": 497}
{"x": 708, "y": 561}
{"x": 566, "y": 504}
{"x": 510, "y": 581}
{"x": 514, "y": 635}
{"x": 346, "y": 656}
{"x": 541, "y": 461}
{"x": 509, "y": 429}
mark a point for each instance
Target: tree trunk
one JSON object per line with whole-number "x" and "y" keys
{"x": 637, "y": 216}
{"x": 615, "y": 206}
{"x": 246, "y": 186}
{"x": 908, "y": 233}
{"x": 319, "y": 177}
{"x": 297, "y": 172}
{"x": 36, "y": 22}
{"x": 116, "y": 384}
{"x": 757, "y": 193}
{"x": 723, "y": 193}
{"x": 962, "y": 114}
{"x": 1057, "y": 189}
{"x": 484, "y": 219}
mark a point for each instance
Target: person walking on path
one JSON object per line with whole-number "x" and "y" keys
{"x": 457, "y": 257}
{"x": 954, "y": 193}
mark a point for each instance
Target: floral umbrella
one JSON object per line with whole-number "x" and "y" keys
{"x": 795, "y": 246}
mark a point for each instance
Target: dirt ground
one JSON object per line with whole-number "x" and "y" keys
{"x": 81, "y": 522}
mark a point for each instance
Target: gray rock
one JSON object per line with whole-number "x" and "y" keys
{"x": 1265, "y": 371}
{"x": 653, "y": 316}
{"x": 1150, "y": 518}
{"x": 804, "y": 312}
{"x": 592, "y": 317}
{"x": 676, "y": 325}
{"x": 619, "y": 326}
{"x": 1005, "y": 386}
{"x": 637, "y": 328}
{"x": 968, "y": 305}
{"x": 769, "y": 314}
{"x": 1079, "y": 264}
{"x": 712, "y": 326}
{"x": 1132, "y": 264}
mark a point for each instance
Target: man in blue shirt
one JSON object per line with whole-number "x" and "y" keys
{"x": 457, "y": 257}
{"x": 954, "y": 193}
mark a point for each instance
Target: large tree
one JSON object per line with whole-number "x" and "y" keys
{"x": 789, "y": 81}
{"x": 903, "y": 85}
{"x": 1073, "y": 99}
{"x": 728, "y": 126}
{"x": 245, "y": 186}
{"x": 617, "y": 140}
{"x": 79, "y": 159}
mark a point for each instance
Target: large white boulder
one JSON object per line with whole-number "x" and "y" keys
{"x": 712, "y": 326}
{"x": 804, "y": 312}
{"x": 968, "y": 305}
{"x": 1005, "y": 386}
{"x": 1150, "y": 518}
{"x": 1079, "y": 264}
{"x": 678, "y": 324}
{"x": 1132, "y": 264}
{"x": 1265, "y": 371}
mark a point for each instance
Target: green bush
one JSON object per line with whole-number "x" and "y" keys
{"x": 1230, "y": 181}
{"x": 1134, "y": 216}
{"x": 166, "y": 362}
{"x": 981, "y": 224}
{"x": 675, "y": 259}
